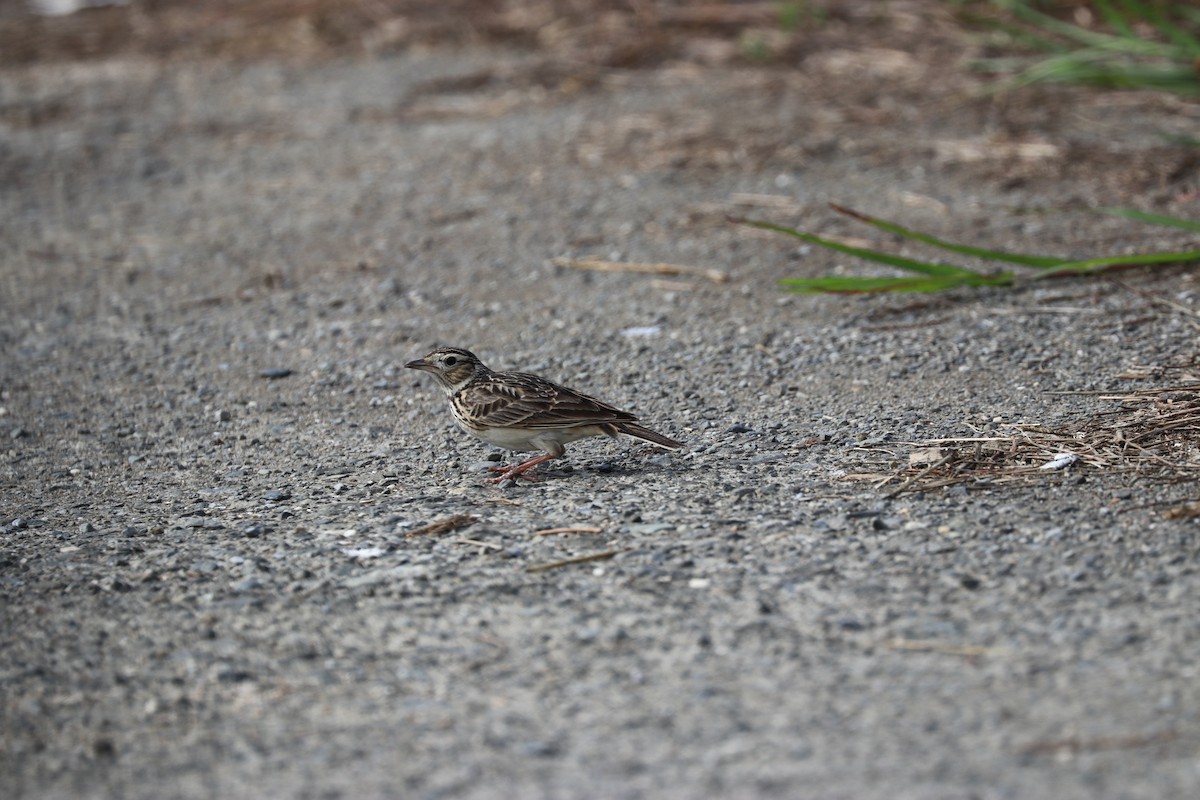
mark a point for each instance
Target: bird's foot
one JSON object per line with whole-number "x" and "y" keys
{"x": 519, "y": 470}
{"x": 512, "y": 473}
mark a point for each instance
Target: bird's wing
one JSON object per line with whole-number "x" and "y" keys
{"x": 517, "y": 399}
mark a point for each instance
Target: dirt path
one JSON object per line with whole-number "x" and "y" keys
{"x": 216, "y": 577}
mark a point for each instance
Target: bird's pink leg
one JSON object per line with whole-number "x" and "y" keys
{"x": 518, "y": 471}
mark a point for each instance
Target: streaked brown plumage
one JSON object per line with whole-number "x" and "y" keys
{"x": 519, "y": 411}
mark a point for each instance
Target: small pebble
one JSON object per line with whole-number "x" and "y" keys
{"x": 651, "y": 527}
{"x": 541, "y": 749}
{"x": 364, "y": 553}
{"x": 273, "y": 373}
{"x": 234, "y": 675}
{"x": 831, "y": 523}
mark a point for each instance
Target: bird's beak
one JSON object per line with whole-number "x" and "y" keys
{"x": 421, "y": 364}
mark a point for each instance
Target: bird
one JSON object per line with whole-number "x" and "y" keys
{"x": 524, "y": 412}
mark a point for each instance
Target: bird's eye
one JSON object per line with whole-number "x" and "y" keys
{"x": 450, "y": 361}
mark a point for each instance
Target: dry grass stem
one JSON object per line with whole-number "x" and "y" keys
{"x": 922, "y": 646}
{"x": 1047, "y": 310}
{"x": 502, "y": 501}
{"x": 1073, "y": 744}
{"x": 598, "y": 265}
{"x": 946, "y": 459}
{"x": 780, "y": 202}
{"x": 446, "y": 525}
{"x": 566, "y": 562}
{"x": 577, "y": 529}
{"x": 1183, "y": 511}
{"x": 1153, "y": 431}
{"x": 478, "y": 543}
{"x": 1191, "y": 313}
{"x": 671, "y": 286}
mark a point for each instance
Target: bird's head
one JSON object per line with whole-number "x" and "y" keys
{"x": 452, "y": 367}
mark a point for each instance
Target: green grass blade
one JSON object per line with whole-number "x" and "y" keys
{"x": 1082, "y": 68}
{"x": 1151, "y": 14}
{"x": 1179, "y": 139}
{"x": 1056, "y": 26}
{"x": 1170, "y": 31}
{"x": 1122, "y": 55}
{"x": 1112, "y": 262}
{"x": 1176, "y": 79}
{"x": 849, "y": 285}
{"x": 1153, "y": 219}
{"x": 961, "y": 249}
{"x": 1018, "y": 34}
{"x": 1095, "y": 40}
{"x": 933, "y": 277}
{"x": 1114, "y": 18}
{"x": 899, "y": 262}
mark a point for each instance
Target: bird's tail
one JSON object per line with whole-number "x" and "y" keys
{"x": 648, "y": 435}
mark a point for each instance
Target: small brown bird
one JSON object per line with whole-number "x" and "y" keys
{"x": 519, "y": 411}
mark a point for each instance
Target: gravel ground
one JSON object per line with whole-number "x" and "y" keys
{"x": 217, "y": 574}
